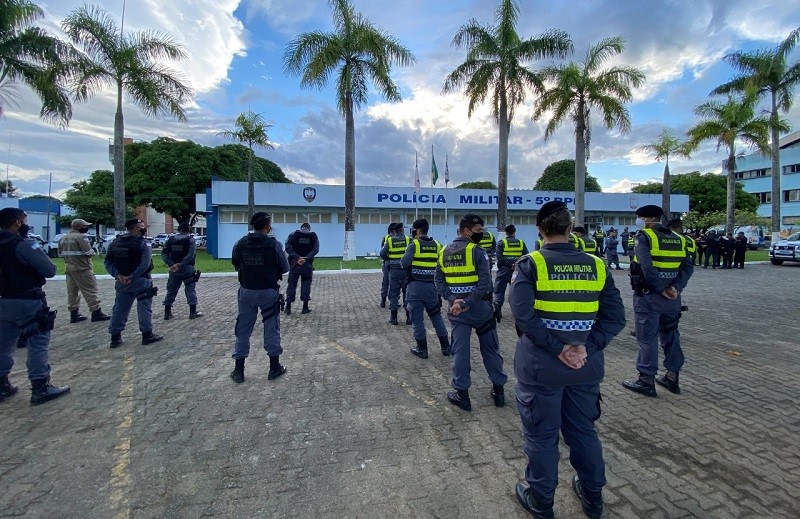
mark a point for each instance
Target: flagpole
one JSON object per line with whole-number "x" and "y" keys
{"x": 446, "y": 181}
{"x": 416, "y": 186}
{"x": 433, "y": 161}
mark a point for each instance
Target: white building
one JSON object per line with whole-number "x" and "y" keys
{"x": 376, "y": 207}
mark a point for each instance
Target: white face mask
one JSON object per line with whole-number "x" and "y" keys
{"x": 640, "y": 223}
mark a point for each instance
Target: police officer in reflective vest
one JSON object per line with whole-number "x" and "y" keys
{"x": 129, "y": 261}
{"x": 599, "y": 237}
{"x": 509, "y": 250}
{"x": 178, "y": 255}
{"x": 630, "y": 246}
{"x": 463, "y": 279}
{"x": 587, "y": 243}
{"x": 301, "y": 247}
{"x": 392, "y": 252}
{"x": 676, "y": 225}
{"x": 566, "y": 310}
{"x": 660, "y": 270}
{"x": 260, "y": 262}
{"x": 385, "y": 266}
{"x": 489, "y": 245}
{"x": 419, "y": 260}
{"x": 23, "y": 307}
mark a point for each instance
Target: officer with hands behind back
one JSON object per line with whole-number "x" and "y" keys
{"x": 509, "y": 250}
{"x": 129, "y": 261}
{"x": 23, "y": 306}
{"x": 178, "y": 254}
{"x": 392, "y": 252}
{"x": 566, "y": 310}
{"x": 301, "y": 246}
{"x": 260, "y": 262}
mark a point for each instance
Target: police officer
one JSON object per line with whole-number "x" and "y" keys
{"x": 564, "y": 322}
{"x": 610, "y": 246}
{"x": 509, "y": 250}
{"x": 77, "y": 253}
{"x": 463, "y": 278}
{"x": 178, "y": 254}
{"x": 585, "y": 242}
{"x": 660, "y": 270}
{"x": 23, "y": 306}
{"x": 129, "y": 261}
{"x": 630, "y": 246}
{"x": 260, "y": 261}
{"x": 676, "y": 225}
{"x": 392, "y": 252}
{"x": 599, "y": 237}
{"x": 419, "y": 260}
{"x": 489, "y": 245}
{"x": 301, "y": 246}
{"x": 385, "y": 266}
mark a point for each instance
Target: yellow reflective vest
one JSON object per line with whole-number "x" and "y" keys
{"x": 426, "y": 254}
{"x": 459, "y": 269}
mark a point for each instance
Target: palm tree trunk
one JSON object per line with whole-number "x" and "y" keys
{"x": 776, "y": 170}
{"x": 119, "y": 164}
{"x": 502, "y": 170}
{"x": 666, "y": 190}
{"x": 251, "y": 196}
{"x": 580, "y": 165}
{"x": 730, "y": 206}
{"x": 349, "y": 181}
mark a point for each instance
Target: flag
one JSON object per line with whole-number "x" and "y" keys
{"x": 434, "y": 171}
{"x": 416, "y": 174}
{"x": 446, "y": 171}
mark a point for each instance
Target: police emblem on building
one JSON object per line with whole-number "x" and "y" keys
{"x": 309, "y": 194}
{"x": 634, "y": 202}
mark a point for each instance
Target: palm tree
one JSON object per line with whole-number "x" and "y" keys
{"x": 768, "y": 72}
{"x": 250, "y": 129}
{"x": 133, "y": 64}
{"x": 579, "y": 87}
{"x": 357, "y": 51}
{"x": 726, "y": 123}
{"x": 495, "y": 66}
{"x": 29, "y": 55}
{"x": 666, "y": 144}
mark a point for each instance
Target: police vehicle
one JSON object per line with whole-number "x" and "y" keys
{"x": 785, "y": 250}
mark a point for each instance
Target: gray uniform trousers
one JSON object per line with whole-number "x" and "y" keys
{"x": 250, "y": 302}
{"x": 126, "y": 295}
{"x": 422, "y": 296}
{"x": 501, "y": 281}
{"x": 305, "y": 274}
{"x": 185, "y": 276}
{"x": 479, "y": 317}
{"x": 385, "y": 281}
{"x": 397, "y": 286}
{"x": 654, "y": 312}
{"x": 15, "y": 318}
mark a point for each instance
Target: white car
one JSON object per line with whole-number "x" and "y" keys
{"x": 785, "y": 250}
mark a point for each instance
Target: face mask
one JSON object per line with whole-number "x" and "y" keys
{"x": 476, "y": 237}
{"x": 142, "y": 232}
{"x": 84, "y": 230}
{"x": 23, "y": 230}
{"x": 640, "y": 223}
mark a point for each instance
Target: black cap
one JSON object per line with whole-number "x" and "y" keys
{"x": 306, "y": 225}
{"x": 9, "y": 215}
{"x": 259, "y": 218}
{"x": 510, "y": 229}
{"x": 548, "y": 209}
{"x": 674, "y": 222}
{"x": 419, "y": 223}
{"x": 184, "y": 227}
{"x": 133, "y": 222}
{"x": 650, "y": 211}
{"x": 579, "y": 229}
{"x": 398, "y": 226}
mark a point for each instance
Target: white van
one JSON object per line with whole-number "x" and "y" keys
{"x": 754, "y": 235}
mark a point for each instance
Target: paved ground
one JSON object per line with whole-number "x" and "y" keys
{"x": 360, "y": 428}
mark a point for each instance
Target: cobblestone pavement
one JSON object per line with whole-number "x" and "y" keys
{"x": 360, "y": 428}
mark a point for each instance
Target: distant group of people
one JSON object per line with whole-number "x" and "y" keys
{"x": 720, "y": 250}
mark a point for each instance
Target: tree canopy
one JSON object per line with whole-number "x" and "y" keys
{"x": 93, "y": 199}
{"x": 477, "y": 184}
{"x": 12, "y": 189}
{"x": 707, "y": 192}
{"x": 560, "y": 176}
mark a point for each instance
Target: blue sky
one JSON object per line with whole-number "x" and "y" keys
{"x": 235, "y": 63}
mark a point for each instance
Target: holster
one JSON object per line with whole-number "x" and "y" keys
{"x": 148, "y": 293}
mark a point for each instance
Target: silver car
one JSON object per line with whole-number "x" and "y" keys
{"x": 785, "y": 250}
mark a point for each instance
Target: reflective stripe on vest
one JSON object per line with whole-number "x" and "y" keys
{"x": 631, "y": 242}
{"x": 589, "y": 245}
{"x": 486, "y": 242}
{"x": 512, "y": 247}
{"x": 691, "y": 245}
{"x": 426, "y": 254}
{"x": 576, "y": 241}
{"x": 568, "y": 304}
{"x": 666, "y": 252}
{"x": 459, "y": 270}
{"x": 397, "y": 247}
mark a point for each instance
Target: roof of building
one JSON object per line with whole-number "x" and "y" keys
{"x": 790, "y": 141}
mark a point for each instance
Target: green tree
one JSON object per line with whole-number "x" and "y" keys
{"x": 666, "y": 144}
{"x": 250, "y": 128}
{"x": 560, "y": 176}
{"x": 233, "y": 160}
{"x": 495, "y": 66}
{"x": 707, "y": 192}
{"x": 477, "y": 184}
{"x": 29, "y": 55}
{"x": 358, "y": 52}
{"x": 93, "y": 199}
{"x": 13, "y": 192}
{"x": 768, "y": 71}
{"x": 580, "y": 87}
{"x": 726, "y": 123}
{"x": 133, "y": 64}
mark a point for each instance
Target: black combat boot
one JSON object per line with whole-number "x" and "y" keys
{"x": 498, "y": 312}
{"x": 532, "y": 503}
{"x": 670, "y": 381}
{"x": 288, "y": 310}
{"x": 421, "y": 350}
{"x": 43, "y": 391}
{"x": 150, "y": 337}
{"x": 6, "y": 389}
{"x": 645, "y": 385}
{"x": 238, "y": 371}
{"x": 498, "y": 395}
{"x": 76, "y": 317}
{"x": 116, "y": 340}
{"x": 383, "y": 301}
{"x": 98, "y": 315}
{"x": 275, "y": 367}
{"x": 306, "y": 309}
{"x": 193, "y": 313}
{"x": 592, "y": 504}
{"x": 444, "y": 341}
{"x": 408, "y": 317}
{"x": 167, "y": 313}
{"x": 393, "y": 317}
{"x": 460, "y": 398}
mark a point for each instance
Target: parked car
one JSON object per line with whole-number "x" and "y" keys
{"x": 785, "y": 250}
{"x": 103, "y": 245}
{"x": 160, "y": 239}
{"x": 51, "y": 248}
{"x": 41, "y": 241}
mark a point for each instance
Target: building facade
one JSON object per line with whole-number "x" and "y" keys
{"x": 376, "y": 207}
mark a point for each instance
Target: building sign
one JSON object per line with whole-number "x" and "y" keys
{"x": 309, "y": 194}
{"x": 469, "y": 200}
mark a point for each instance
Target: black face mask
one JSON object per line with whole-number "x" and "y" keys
{"x": 84, "y": 230}
{"x": 476, "y": 237}
{"x": 24, "y": 229}
{"x": 142, "y": 232}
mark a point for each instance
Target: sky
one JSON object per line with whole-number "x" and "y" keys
{"x": 235, "y": 64}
